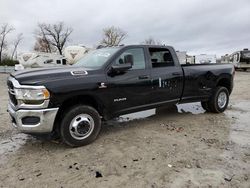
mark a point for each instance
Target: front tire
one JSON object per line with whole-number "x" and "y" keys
{"x": 80, "y": 126}
{"x": 205, "y": 106}
{"x": 219, "y": 101}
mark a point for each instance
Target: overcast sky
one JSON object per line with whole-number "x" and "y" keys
{"x": 196, "y": 26}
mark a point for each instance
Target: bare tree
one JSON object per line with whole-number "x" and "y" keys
{"x": 112, "y": 36}
{"x": 16, "y": 43}
{"x": 151, "y": 41}
{"x": 54, "y": 35}
{"x": 4, "y": 31}
{"x": 42, "y": 41}
{"x": 42, "y": 45}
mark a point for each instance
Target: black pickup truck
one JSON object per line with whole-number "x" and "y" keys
{"x": 73, "y": 100}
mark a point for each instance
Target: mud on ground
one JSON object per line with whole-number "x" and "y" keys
{"x": 182, "y": 147}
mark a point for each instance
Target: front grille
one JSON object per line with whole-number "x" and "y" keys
{"x": 10, "y": 84}
{"x": 13, "y": 120}
{"x": 13, "y": 99}
{"x": 11, "y": 91}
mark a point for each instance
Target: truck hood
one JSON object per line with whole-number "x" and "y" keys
{"x": 36, "y": 76}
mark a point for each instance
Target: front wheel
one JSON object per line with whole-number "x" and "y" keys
{"x": 219, "y": 100}
{"x": 80, "y": 126}
{"x": 205, "y": 106}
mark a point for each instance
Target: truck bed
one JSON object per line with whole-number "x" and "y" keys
{"x": 200, "y": 79}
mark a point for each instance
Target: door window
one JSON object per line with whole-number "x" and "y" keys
{"x": 138, "y": 58}
{"x": 161, "y": 57}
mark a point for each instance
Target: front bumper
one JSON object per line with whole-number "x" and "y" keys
{"x": 44, "y": 119}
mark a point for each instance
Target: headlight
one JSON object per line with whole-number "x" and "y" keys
{"x": 32, "y": 96}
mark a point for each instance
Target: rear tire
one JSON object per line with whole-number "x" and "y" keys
{"x": 219, "y": 100}
{"x": 80, "y": 126}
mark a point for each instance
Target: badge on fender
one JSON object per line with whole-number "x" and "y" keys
{"x": 102, "y": 85}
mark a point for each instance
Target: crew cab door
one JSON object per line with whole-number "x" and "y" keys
{"x": 130, "y": 88}
{"x": 167, "y": 75}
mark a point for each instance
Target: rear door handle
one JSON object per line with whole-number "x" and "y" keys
{"x": 143, "y": 77}
{"x": 176, "y": 74}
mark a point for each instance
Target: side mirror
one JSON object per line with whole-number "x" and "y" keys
{"x": 128, "y": 63}
{"x": 129, "y": 59}
{"x": 122, "y": 67}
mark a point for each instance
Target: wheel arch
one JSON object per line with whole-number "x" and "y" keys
{"x": 225, "y": 82}
{"x": 78, "y": 100}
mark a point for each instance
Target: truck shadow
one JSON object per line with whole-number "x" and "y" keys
{"x": 153, "y": 116}
{"x": 190, "y": 108}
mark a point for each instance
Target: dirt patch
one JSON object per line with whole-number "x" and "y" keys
{"x": 178, "y": 147}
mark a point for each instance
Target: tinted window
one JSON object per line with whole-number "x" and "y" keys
{"x": 161, "y": 57}
{"x": 246, "y": 54}
{"x": 138, "y": 57}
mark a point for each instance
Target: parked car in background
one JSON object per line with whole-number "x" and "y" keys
{"x": 240, "y": 59}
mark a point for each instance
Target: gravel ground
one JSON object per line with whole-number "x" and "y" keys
{"x": 182, "y": 147}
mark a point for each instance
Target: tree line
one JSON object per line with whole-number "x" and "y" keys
{"x": 53, "y": 38}
{"x": 5, "y": 30}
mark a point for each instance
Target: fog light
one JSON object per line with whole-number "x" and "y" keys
{"x": 30, "y": 120}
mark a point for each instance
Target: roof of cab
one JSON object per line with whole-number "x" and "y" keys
{"x": 136, "y": 45}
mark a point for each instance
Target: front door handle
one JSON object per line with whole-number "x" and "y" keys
{"x": 142, "y": 77}
{"x": 176, "y": 74}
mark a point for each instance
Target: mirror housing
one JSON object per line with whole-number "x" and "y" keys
{"x": 128, "y": 63}
{"x": 122, "y": 67}
{"x": 129, "y": 59}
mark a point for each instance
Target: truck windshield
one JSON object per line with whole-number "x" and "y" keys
{"x": 97, "y": 58}
{"x": 245, "y": 56}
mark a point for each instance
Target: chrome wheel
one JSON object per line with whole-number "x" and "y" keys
{"x": 81, "y": 126}
{"x": 222, "y": 99}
